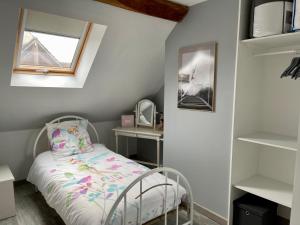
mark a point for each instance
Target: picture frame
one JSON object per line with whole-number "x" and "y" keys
{"x": 197, "y": 77}
{"x": 127, "y": 121}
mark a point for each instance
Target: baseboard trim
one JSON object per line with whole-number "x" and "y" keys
{"x": 210, "y": 214}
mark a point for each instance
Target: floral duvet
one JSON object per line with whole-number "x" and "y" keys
{"x": 82, "y": 188}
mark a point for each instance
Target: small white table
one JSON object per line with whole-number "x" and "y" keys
{"x": 7, "y": 196}
{"x": 145, "y": 133}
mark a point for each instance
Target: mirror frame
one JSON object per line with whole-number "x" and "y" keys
{"x": 153, "y": 115}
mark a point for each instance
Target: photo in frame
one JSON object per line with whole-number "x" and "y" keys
{"x": 127, "y": 121}
{"x": 197, "y": 77}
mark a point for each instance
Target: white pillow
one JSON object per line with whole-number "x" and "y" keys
{"x": 69, "y": 138}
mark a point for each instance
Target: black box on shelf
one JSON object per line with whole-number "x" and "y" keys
{"x": 253, "y": 210}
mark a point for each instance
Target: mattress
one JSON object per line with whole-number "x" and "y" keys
{"x": 82, "y": 188}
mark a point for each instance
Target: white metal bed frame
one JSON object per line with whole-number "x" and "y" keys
{"x": 123, "y": 196}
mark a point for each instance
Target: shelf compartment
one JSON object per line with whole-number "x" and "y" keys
{"x": 275, "y": 41}
{"x": 272, "y": 140}
{"x": 267, "y": 188}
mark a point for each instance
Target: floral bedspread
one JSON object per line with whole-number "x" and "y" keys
{"x": 82, "y": 188}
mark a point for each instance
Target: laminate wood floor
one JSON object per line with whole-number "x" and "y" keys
{"x": 32, "y": 209}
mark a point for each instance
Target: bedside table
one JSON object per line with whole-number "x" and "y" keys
{"x": 7, "y": 195}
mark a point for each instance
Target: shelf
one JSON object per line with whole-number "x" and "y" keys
{"x": 275, "y": 41}
{"x": 267, "y": 188}
{"x": 273, "y": 140}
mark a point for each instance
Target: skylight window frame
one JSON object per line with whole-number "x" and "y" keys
{"x": 44, "y": 70}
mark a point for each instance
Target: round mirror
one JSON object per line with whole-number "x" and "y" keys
{"x": 145, "y": 113}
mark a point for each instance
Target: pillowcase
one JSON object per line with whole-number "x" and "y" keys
{"x": 69, "y": 138}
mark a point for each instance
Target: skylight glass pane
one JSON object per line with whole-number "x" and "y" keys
{"x": 47, "y": 50}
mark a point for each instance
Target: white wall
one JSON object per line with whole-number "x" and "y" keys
{"x": 129, "y": 65}
{"x": 198, "y": 143}
{"x": 16, "y": 146}
{"x": 159, "y": 99}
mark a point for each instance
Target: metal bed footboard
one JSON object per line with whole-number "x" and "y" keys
{"x": 166, "y": 171}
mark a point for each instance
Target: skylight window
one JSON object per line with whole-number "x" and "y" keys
{"x": 49, "y": 44}
{"x": 48, "y": 50}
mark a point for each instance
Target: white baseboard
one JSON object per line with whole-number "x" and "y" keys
{"x": 210, "y": 214}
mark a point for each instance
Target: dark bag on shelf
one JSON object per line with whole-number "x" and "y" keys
{"x": 253, "y": 210}
{"x": 271, "y": 17}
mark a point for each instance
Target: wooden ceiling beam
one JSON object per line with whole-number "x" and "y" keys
{"x": 159, "y": 8}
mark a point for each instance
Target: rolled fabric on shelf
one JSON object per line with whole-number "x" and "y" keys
{"x": 271, "y": 17}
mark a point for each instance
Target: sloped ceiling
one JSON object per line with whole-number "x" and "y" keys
{"x": 129, "y": 65}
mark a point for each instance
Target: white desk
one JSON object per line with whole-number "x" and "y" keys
{"x": 7, "y": 196}
{"x": 145, "y": 133}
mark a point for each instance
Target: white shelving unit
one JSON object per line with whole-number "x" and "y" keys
{"x": 272, "y": 140}
{"x": 274, "y": 45}
{"x": 271, "y": 42}
{"x": 265, "y": 158}
{"x": 267, "y": 188}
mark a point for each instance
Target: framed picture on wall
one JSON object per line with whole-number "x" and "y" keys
{"x": 197, "y": 77}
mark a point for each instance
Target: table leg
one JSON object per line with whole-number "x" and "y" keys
{"x": 158, "y": 153}
{"x": 127, "y": 151}
{"x": 117, "y": 144}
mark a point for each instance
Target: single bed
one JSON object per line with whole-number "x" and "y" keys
{"x": 102, "y": 187}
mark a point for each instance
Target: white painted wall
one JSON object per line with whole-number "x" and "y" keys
{"x": 129, "y": 65}
{"x": 16, "y": 146}
{"x": 295, "y": 218}
{"x": 198, "y": 143}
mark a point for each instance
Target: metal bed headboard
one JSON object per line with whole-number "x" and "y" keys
{"x": 91, "y": 128}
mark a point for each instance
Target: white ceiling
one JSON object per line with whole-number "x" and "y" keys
{"x": 189, "y": 2}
